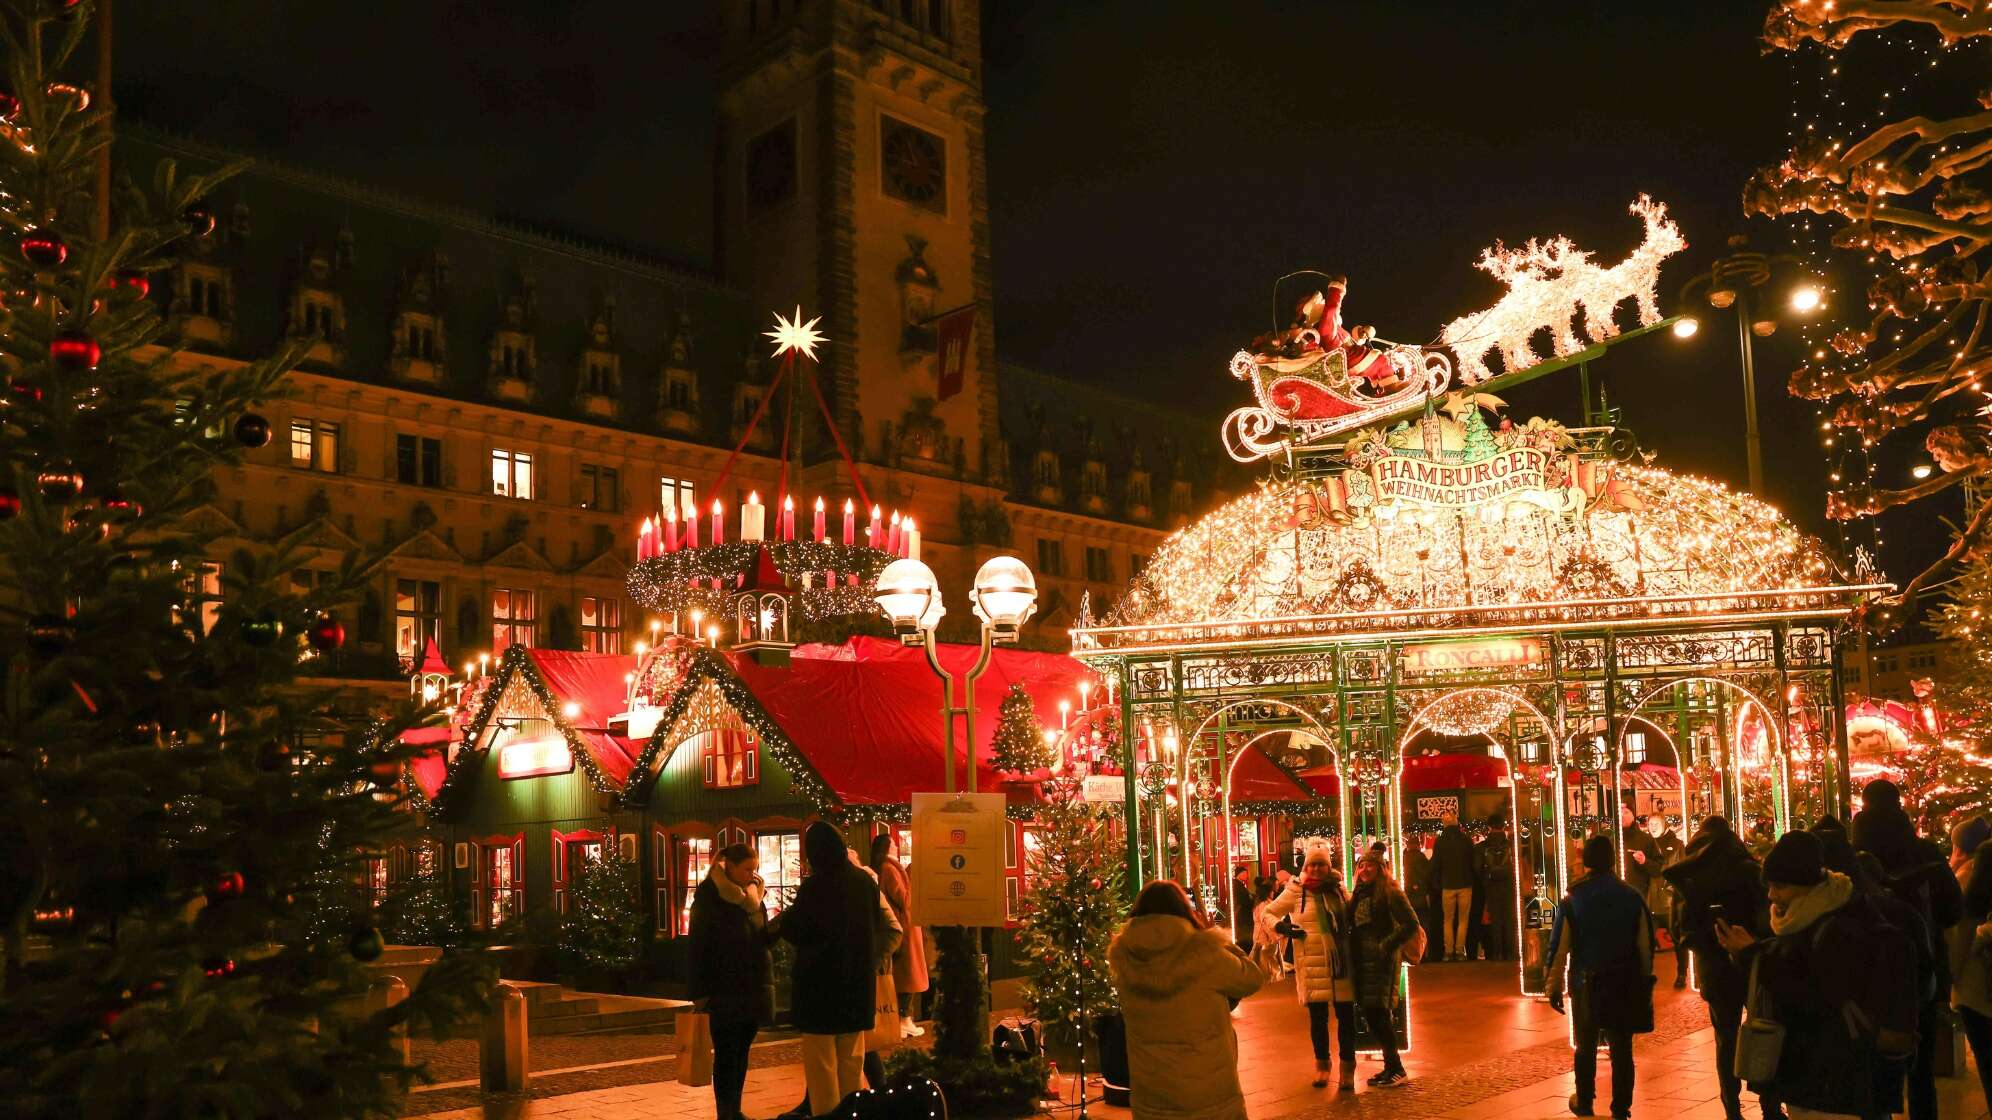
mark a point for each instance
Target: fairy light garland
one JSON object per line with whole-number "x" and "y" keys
{"x": 1693, "y": 536}
{"x": 819, "y": 573}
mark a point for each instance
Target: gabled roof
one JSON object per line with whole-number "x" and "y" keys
{"x": 557, "y": 678}
{"x": 866, "y": 714}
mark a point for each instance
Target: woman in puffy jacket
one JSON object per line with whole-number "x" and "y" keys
{"x": 1314, "y": 913}
{"x": 1178, "y": 980}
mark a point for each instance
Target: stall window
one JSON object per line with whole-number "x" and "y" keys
{"x": 501, "y": 881}
{"x": 694, "y": 861}
{"x": 780, "y": 854}
{"x": 572, "y": 853}
{"x": 730, "y": 758}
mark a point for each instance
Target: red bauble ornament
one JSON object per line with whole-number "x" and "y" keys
{"x": 60, "y": 482}
{"x": 44, "y": 248}
{"x": 132, "y": 283}
{"x": 75, "y": 351}
{"x": 10, "y": 106}
{"x": 230, "y": 884}
{"x": 10, "y": 503}
{"x": 218, "y": 968}
{"x": 199, "y": 220}
{"x": 1095, "y": 884}
{"x": 115, "y": 502}
{"x": 252, "y": 431}
{"x": 77, "y": 96}
{"x": 23, "y": 391}
{"x": 326, "y": 634}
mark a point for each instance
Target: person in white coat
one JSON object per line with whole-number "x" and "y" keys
{"x": 1313, "y": 913}
{"x": 1178, "y": 980}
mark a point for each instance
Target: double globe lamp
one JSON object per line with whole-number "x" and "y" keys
{"x": 1004, "y": 598}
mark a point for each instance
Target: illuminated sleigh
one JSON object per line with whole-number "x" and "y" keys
{"x": 1305, "y": 400}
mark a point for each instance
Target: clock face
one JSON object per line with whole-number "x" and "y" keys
{"x": 771, "y": 167}
{"x": 913, "y": 164}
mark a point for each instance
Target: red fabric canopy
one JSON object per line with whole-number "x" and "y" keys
{"x": 1322, "y": 780}
{"x": 1256, "y": 778}
{"x": 595, "y": 683}
{"x": 431, "y": 766}
{"x": 866, "y": 714}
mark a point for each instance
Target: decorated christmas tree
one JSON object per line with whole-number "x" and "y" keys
{"x": 1479, "y": 441}
{"x": 1019, "y": 747}
{"x": 187, "y": 829}
{"x": 1075, "y": 903}
{"x": 603, "y": 929}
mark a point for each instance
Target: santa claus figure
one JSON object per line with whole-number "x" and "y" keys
{"x": 1317, "y": 329}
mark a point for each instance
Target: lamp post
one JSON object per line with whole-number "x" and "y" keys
{"x": 1734, "y": 281}
{"x": 1005, "y": 596}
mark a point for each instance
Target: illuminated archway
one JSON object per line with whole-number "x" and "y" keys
{"x": 1733, "y": 759}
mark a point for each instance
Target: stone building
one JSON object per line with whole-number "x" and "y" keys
{"x": 499, "y": 408}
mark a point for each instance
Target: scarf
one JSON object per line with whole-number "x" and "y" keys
{"x": 748, "y": 898}
{"x": 1813, "y": 904}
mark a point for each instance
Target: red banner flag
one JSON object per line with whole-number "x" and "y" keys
{"x": 951, "y": 338}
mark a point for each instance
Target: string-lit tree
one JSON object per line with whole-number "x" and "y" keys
{"x": 1019, "y": 746}
{"x": 1075, "y": 903}
{"x": 603, "y": 929}
{"x": 184, "y": 829}
{"x": 1908, "y": 197}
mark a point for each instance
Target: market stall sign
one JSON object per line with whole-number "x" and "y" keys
{"x": 535, "y": 758}
{"x": 1516, "y": 472}
{"x": 1432, "y": 808}
{"x": 1495, "y": 653}
{"x": 958, "y": 859}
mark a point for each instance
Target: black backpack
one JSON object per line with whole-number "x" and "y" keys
{"x": 1886, "y": 992}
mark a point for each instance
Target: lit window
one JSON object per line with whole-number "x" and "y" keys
{"x": 504, "y": 878}
{"x": 314, "y": 444}
{"x": 418, "y": 611}
{"x": 512, "y": 474}
{"x": 512, "y": 618}
{"x": 730, "y": 757}
{"x": 694, "y": 862}
{"x": 676, "y": 493}
{"x": 601, "y": 625}
{"x": 780, "y": 854}
{"x": 574, "y": 855}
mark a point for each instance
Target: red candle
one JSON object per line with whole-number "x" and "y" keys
{"x": 892, "y": 535}
{"x": 875, "y": 532}
{"x": 691, "y": 525}
{"x": 670, "y": 529}
{"x": 718, "y": 522}
{"x": 850, "y": 524}
{"x": 645, "y": 540}
{"x": 817, "y": 531}
{"x": 788, "y": 517}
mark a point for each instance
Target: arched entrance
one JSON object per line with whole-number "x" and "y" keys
{"x": 1519, "y": 733}
{"x": 1735, "y": 762}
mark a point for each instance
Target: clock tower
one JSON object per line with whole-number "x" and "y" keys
{"x": 852, "y": 181}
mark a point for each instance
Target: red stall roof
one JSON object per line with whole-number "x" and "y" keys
{"x": 866, "y": 713}
{"x": 595, "y": 683}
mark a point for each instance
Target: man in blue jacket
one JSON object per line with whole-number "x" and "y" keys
{"x": 1603, "y": 939}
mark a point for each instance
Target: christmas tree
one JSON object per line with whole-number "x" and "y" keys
{"x": 603, "y": 929}
{"x": 182, "y": 820}
{"x": 1074, "y": 905}
{"x": 1479, "y": 441}
{"x": 1019, "y": 747}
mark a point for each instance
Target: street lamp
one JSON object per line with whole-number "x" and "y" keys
{"x": 1005, "y": 596}
{"x": 1730, "y": 283}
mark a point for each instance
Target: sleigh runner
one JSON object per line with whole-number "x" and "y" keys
{"x": 1310, "y": 398}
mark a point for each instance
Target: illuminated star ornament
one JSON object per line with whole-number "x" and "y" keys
{"x": 794, "y": 335}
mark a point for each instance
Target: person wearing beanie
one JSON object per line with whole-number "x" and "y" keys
{"x": 1808, "y": 975}
{"x": 1313, "y": 915}
{"x": 1915, "y": 871}
{"x": 1717, "y": 875}
{"x": 1603, "y": 940}
{"x": 835, "y": 923}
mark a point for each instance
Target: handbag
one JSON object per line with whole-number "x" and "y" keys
{"x": 694, "y": 1048}
{"x": 1760, "y": 1041}
{"x": 884, "y": 1030}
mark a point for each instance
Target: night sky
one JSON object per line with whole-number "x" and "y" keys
{"x": 1154, "y": 166}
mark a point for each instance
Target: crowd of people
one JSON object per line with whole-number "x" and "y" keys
{"x": 1826, "y": 960}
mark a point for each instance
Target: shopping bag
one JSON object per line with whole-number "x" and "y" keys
{"x": 884, "y": 1031}
{"x": 694, "y": 1048}
{"x": 1760, "y": 1041}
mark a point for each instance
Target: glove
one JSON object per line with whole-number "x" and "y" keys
{"x": 1556, "y": 1001}
{"x": 1286, "y": 928}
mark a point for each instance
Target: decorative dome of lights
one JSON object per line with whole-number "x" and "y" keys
{"x": 1650, "y": 545}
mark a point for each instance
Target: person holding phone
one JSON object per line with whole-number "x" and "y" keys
{"x": 1718, "y": 880}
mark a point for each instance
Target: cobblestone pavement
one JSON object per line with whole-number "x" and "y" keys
{"x": 1479, "y": 1052}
